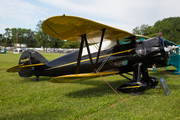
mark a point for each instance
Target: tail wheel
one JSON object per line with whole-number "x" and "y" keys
{"x": 36, "y": 79}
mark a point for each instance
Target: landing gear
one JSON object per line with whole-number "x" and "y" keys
{"x": 149, "y": 80}
{"x": 133, "y": 87}
{"x": 36, "y": 79}
{"x": 138, "y": 85}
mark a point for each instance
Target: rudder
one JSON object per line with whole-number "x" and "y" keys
{"x": 29, "y": 57}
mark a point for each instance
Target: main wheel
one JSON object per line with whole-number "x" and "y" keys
{"x": 36, "y": 79}
{"x": 151, "y": 82}
{"x": 133, "y": 87}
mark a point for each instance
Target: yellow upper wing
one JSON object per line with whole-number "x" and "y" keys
{"x": 72, "y": 27}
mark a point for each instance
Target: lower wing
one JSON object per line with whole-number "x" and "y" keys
{"x": 77, "y": 77}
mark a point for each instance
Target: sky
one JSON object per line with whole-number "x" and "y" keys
{"x": 121, "y": 14}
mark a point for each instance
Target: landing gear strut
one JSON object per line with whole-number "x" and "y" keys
{"x": 138, "y": 85}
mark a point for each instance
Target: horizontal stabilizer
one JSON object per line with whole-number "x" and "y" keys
{"x": 21, "y": 67}
{"x": 78, "y": 77}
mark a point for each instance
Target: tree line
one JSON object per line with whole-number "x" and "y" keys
{"x": 36, "y": 38}
{"x": 169, "y": 27}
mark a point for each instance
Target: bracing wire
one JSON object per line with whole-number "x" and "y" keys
{"x": 102, "y": 53}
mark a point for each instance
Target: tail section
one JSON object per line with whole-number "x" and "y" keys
{"x": 29, "y": 57}
{"x": 27, "y": 61}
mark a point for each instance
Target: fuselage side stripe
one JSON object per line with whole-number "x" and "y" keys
{"x": 92, "y": 59}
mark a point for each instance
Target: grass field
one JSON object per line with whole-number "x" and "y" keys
{"x": 22, "y": 98}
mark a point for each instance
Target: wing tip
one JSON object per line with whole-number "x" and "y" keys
{"x": 8, "y": 70}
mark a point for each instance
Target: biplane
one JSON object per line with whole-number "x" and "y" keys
{"x": 114, "y": 51}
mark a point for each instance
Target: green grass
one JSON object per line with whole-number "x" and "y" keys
{"x": 22, "y": 98}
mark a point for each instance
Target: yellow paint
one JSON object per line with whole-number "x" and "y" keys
{"x": 17, "y": 68}
{"x": 33, "y": 65}
{"x": 92, "y": 59}
{"x": 72, "y": 27}
{"x": 78, "y": 77}
{"x": 132, "y": 87}
{"x": 24, "y": 60}
{"x": 21, "y": 67}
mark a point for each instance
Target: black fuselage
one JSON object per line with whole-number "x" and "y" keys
{"x": 120, "y": 57}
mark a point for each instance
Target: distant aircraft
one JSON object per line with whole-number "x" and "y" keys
{"x": 117, "y": 52}
{"x": 2, "y": 51}
{"x": 174, "y": 56}
{"x": 18, "y": 51}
